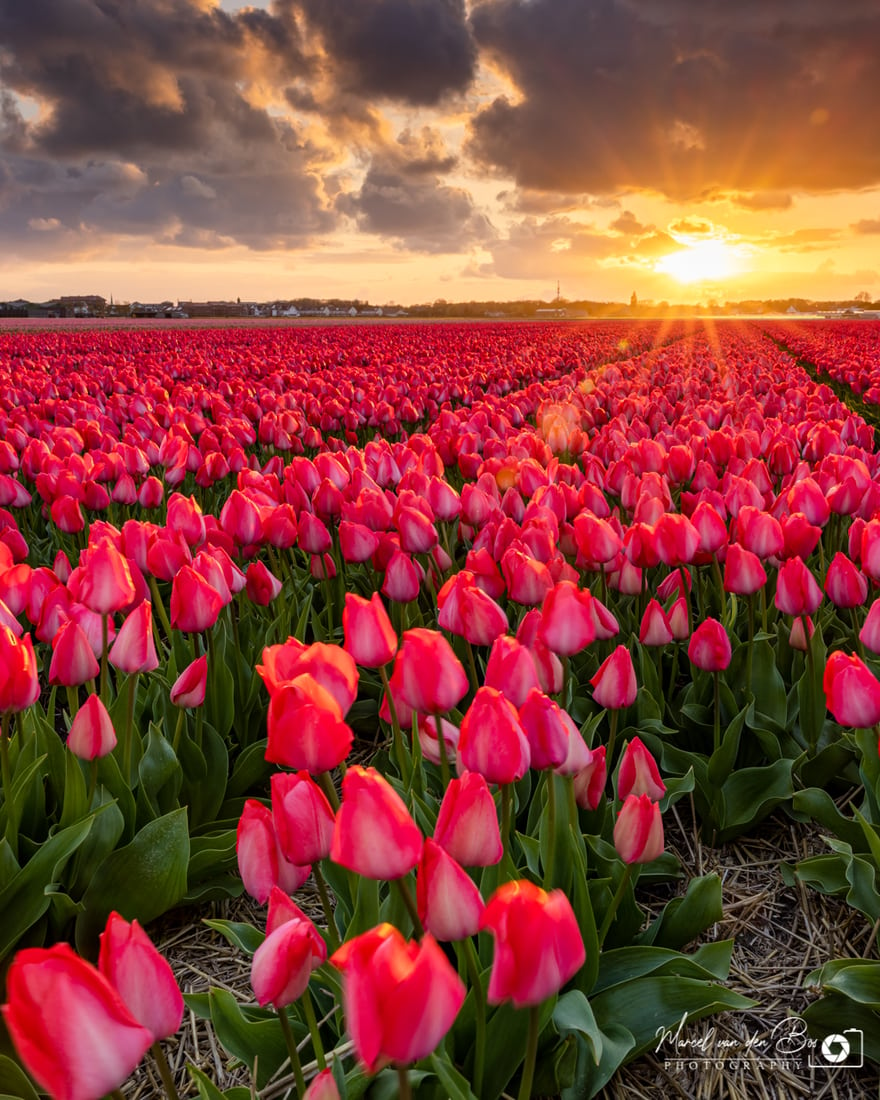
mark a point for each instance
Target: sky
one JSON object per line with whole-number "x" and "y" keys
{"x": 409, "y": 150}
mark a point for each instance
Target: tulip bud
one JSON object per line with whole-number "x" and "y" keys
{"x": 614, "y": 685}
{"x": 303, "y": 818}
{"x": 852, "y": 692}
{"x": 369, "y": 635}
{"x": 709, "y": 647}
{"x": 284, "y": 961}
{"x": 493, "y": 741}
{"x": 467, "y": 822}
{"x": 449, "y": 904}
{"x": 797, "y": 592}
{"x": 260, "y": 861}
{"x": 589, "y": 782}
{"x": 141, "y": 977}
{"x": 374, "y": 834}
{"x": 638, "y": 773}
{"x": 188, "y": 690}
{"x": 73, "y": 662}
{"x": 134, "y": 649}
{"x": 91, "y": 733}
{"x": 638, "y": 831}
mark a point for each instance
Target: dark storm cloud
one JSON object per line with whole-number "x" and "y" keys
{"x": 415, "y": 51}
{"x": 758, "y": 96}
{"x": 404, "y": 198}
{"x": 152, "y": 122}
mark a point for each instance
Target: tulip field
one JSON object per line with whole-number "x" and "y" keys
{"x": 442, "y": 625}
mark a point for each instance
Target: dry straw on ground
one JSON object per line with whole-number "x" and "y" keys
{"x": 781, "y": 933}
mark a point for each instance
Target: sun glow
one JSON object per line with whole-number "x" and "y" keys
{"x": 701, "y": 261}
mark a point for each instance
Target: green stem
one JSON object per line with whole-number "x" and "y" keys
{"x": 159, "y": 608}
{"x": 609, "y": 753}
{"x": 397, "y": 735}
{"x": 855, "y": 625}
{"x": 615, "y": 903}
{"x": 105, "y": 635}
{"x": 293, "y": 1053}
{"x": 472, "y": 667}
{"x": 72, "y": 701}
{"x": 506, "y": 795}
{"x": 751, "y": 606}
{"x": 327, "y": 787}
{"x": 716, "y": 728}
{"x": 528, "y": 1075}
{"x": 473, "y": 968}
{"x": 404, "y": 1089}
{"x": 445, "y": 773}
{"x": 164, "y": 1070}
{"x": 178, "y": 730}
{"x": 805, "y": 620}
{"x": 320, "y": 882}
{"x": 686, "y": 592}
{"x": 129, "y": 727}
{"x": 93, "y": 781}
{"x": 410, "y": 903}
{"x": 6, "y": 772}
{"x": 311, "y": 1020}
{"x": 549, "y": 867}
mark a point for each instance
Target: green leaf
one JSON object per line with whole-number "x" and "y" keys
{"x": 617, "y": 1045}
{"x": 573, "y": 1013}
{"x": 834, "y": 1014}
{"x": 820, "y": 806}
{"x": 456, "y": 1086}
{"x": 14, "y": 1081}
{"x": 25, "y": 898}
{"x": 220, "y": 695}
{"x": 255, "y": 1038}
{"x": 159, "y": 769}
{"x": 683, "y": 919}
{"x": 207, "y": 1089}
{"x": 750, "y": 794}
{"x": 858, "y": 979}
{"x": 250, "y": 771}
{"x": 506, "y": 1034}
{"x": 243, "y": 936}
{"x": 206, "y": 798}
{"x": 722, "y": 761}
{"x": 625, "y": 965}
{"x": 143, "y": 880}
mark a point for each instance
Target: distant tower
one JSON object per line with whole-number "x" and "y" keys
{"x": 557, "y": 292}
{"x": 634, "y": 300}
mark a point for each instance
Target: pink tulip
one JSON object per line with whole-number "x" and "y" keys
{"x": 134, "y": 649}
{"x": 467, "y": 822}
{"x": 303, "y": 818}
{"x": 188, "y": 690}
{"x": 54, "y": 999}
{"x": 449, "y": 904}
{"x": 369, "y": 636}
{"x": 638, "y": 773}
{"x": 852, "y": 692}
{"x": 374, "y": 834}
{"x": 284, "y": 961}
{"x": 141, "y": 977}
{"x": 638, "y": 831}
{"x": 614, "y": 685}
{"x": 91, "y": 733}
{"x": 261, "y": 863}
{"x": 493, "y": 741}
{"x": 709, "y": 647}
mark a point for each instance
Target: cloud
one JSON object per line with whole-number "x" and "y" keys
{"x": 404, "y": 198}
{"x": 866, "y": 226}
{"x": 753, "y": 98}
{"x": 412, "y": 51}
{"x": 761, "y": 200}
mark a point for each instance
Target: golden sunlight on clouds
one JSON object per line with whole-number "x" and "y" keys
{"x": 708, "y": 254}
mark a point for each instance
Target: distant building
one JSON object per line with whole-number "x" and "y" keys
{"x": 216, "y": 309}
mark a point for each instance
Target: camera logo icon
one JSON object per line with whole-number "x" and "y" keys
{"x": 840, "y": 1050}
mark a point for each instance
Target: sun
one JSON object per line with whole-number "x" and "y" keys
{"x": 701, "y": 261}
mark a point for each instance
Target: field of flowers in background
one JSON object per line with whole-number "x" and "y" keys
{"x": 547, "y": 584}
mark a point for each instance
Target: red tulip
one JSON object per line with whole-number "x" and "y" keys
{"x": 322, "y": 1087}
{"x": 105, "y": 583}
{"x": 374, "y": 833}
{"x": 869, "y": 635}
{"x": 709, "y": 647}
{"x": 188, "y": 690}
{"x": 493, "y": 741}
{"x": 329, "y": 665}
{"x": 303, "y": 818}
{"x": 845, "y": 586}
{"x": 655, "y": 629}
{"x": 638, "y": 831}
{"x": 284, "y": 961}
{"x": 638, "y": 773}
{"x": 369, "y": 636}
{"x": 67, "y": 515}
{"x": 528, "y": 580}
{"x": 676, "y": 539}
{"x": 260, "y": 861}
{"x": 566, "y": 619}
{"x": 19, "y": 684}
{"x": 614, "y": 685}
{"x": 400, "y": 998}
{"x": 589, "y": 782}
{"x": 55, "y": 999}
{"x": 261, "y": 585}
{"x": 549, "y": 730}
{"x": 184, "y": 514}
{"x": 91, "y": 732}
{"x": 538, "y": 945}
{"x": 134, "y": 649}
{"x": 195, "y": 604}
{"x": 511, "y": 669}
{"x": 430, "y": 676}
{"x": 467, "y": 822}
{"x": 743, "y": 571}
{"x": 141, "y": 977}
{"x": 306, "y": 727}
{"x": 760, "y": 533}
{"x": 73, "y": 661}
{"x": 449, "y": 904}
{"x": 852, "y": 692}
{"x": 402, "y": 578}
{"x": 797, "y": 592}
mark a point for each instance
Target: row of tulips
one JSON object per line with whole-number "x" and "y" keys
{"x": 662, "y": 559}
